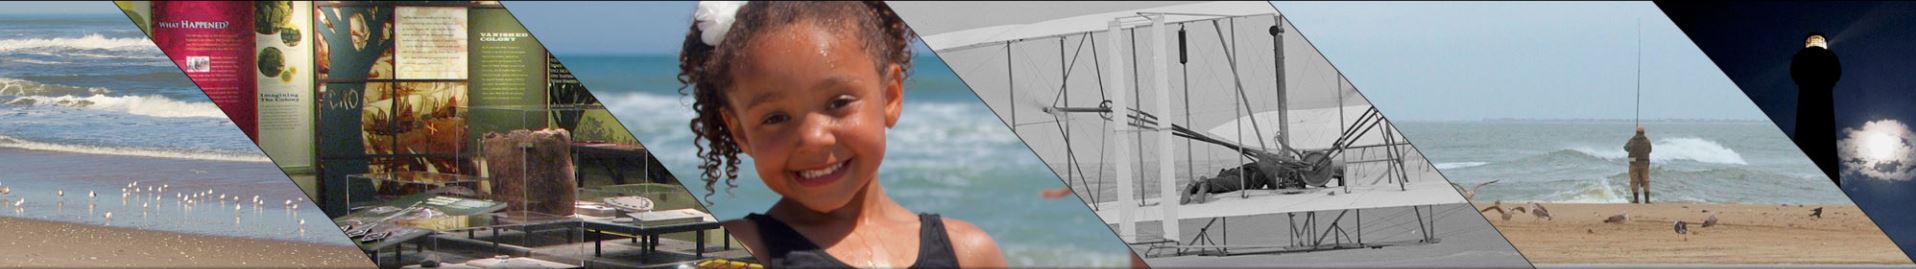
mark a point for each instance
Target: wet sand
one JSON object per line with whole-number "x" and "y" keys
{"x": 1747, "y": 234}
{"x": 39, "y": 243}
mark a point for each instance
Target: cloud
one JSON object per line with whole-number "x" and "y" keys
{"x": 1879, "y": 150}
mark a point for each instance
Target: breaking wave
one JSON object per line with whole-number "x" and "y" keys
{"x": 84, "y": 43}
{"x": 10, "y": 142}
{"x": 152, "y": 106}
{"x": 1673, "y": 149}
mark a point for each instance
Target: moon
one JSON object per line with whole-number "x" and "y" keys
{"x": 1879, "y": 149}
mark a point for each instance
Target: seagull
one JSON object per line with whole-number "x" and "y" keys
{"x": 61, "y": 193}
{"x": 1682, "y": 227}
{"x": 1619, "y": 218}
{"x": 1537, "y": 209}
{"x": 1710, "y": 221}
{"x": 1818, "y": 212}
{"x": 1471, "y": 193}
{"x": 109, "y": 218}
{"x": 1498, "y": 206}
{"x": 22, "y": 201}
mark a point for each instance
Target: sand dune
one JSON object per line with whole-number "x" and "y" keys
{"x": 1747, "y": 234}
{"x": 38, "y": 243}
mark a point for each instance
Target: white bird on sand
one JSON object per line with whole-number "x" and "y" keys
{"x": 1619, "y": 218}
{"x": 1710, "y": 221}
{"x": 109, "y": 218}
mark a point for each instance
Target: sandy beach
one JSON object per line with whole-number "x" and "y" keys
{"x": 38, "y": 243}
{"x": 1746, "y": 234}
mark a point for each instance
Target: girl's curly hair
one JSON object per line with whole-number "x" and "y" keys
{"x": 704, "y": 70}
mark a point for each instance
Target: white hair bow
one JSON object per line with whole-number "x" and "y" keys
{"x": 715, "y": 19}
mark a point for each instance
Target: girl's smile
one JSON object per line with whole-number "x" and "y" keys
{"x": 822, "y": 176}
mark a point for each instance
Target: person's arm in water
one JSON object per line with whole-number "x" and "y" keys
{"x": 975, "y": 249}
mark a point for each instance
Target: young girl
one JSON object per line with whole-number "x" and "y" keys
{"x": 808, "y": 89}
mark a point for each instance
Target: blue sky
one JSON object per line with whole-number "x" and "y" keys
{"x": 1558, "y": 60}
{"x": 95, "y": 7}
{"x": 644, "y": 27}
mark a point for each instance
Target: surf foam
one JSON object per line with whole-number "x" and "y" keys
{"x": 1672, "y": 149}
{"x": 92, "y": 41}
{"x": 10, "y": 142}
{"x": 144, "y": 105}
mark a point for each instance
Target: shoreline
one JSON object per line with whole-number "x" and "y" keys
{"x": 43, "y": 243}
{"x": 1747, "y": 234}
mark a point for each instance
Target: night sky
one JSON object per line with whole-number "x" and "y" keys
{"x": 1876, "y": 42}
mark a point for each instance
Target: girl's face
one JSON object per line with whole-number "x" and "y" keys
{"x": 811, "y": 109}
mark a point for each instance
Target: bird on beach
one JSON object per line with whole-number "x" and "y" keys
{"x": 1710, "y": 221}
{"x": 1619, "y": 218}
{"x": 1498, "y": 206}
{"x": 1682, "y": 228}
{"x": 1537, "y": 209}
{"x": 109, "y": 218}
{"x": 1818, "y": 212}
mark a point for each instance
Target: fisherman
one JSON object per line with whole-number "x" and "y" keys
{"x": 1639, "y": 149}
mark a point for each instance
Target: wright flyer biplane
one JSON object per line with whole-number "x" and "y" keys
{"x": 1160, "y": 113}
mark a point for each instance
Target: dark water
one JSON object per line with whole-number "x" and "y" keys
{"x": 948, "y": 155}
{"x": 88, "y": 104}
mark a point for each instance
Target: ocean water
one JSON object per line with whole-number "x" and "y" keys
{"x": 1582, "y": 161}
{"x": 947, "y": 155}
{"x": 88, "y": 104}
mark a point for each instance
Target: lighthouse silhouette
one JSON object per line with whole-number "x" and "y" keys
{"x": 1815, "y": 71}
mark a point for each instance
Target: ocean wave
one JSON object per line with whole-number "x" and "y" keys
{"x": 1718, "y": 185}
{"x": 144, "y": 105}
{"x": 20, "y": 87}
{"x": 92, "y": 41}
{"x": 10, "y": 142}
{"x": 1458, "y": 165}
{"x": 1673, "y": 149}
{"x": 38, "y": 62}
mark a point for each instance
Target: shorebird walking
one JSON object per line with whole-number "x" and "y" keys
{"x": 1818, "y": 212}
{"x": 1707, "y": 223}
{"x": 1683, "y": 229}
{"x": 1537, "y": 209}
{"x": 1619, "y": 218}
{"x": 109, "y": 218}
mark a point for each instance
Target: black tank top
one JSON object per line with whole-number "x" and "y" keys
{"x": 789, "y": 249}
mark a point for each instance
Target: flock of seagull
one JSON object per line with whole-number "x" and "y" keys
{"x": 153, "y": 198}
